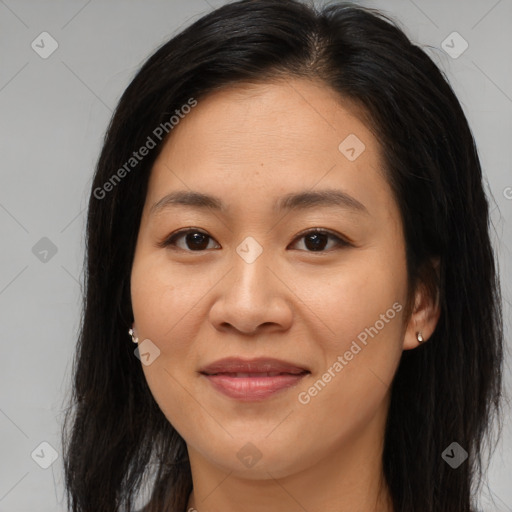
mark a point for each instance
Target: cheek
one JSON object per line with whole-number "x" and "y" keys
{"x": 361, "y": 352}
{"x": 366, "y": 294}
{"x": 360, "y": 313}
{"x": 162, "y": 298}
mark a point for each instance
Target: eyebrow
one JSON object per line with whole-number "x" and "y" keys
{"x": 293, "y": 201}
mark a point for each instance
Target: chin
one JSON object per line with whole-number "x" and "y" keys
{"x": 259, "y": 459}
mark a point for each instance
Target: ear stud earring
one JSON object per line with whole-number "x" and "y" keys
{"x": 420, "y": 337}
{"x": 134, "y": 339}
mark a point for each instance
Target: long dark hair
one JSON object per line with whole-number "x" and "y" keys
{"x": 116, "y": 440}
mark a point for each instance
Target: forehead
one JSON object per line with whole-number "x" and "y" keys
{"x": 293, "y": 117}
{"x": 253, "y": 141}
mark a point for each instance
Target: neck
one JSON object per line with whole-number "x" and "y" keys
{"x": 276, "y": 495}
{"x": 349, "y": 479}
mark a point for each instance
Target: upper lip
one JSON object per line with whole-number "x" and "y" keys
{"x": 258, "y": 365}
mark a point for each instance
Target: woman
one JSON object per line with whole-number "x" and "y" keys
{"x": 288, "y": 219}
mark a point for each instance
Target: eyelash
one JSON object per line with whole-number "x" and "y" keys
{"x": 170, "y": 241}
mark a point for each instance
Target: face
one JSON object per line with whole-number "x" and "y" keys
{"x": 296, "y": 268}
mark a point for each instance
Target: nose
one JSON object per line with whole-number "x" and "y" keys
{"x": 252, "y": 298}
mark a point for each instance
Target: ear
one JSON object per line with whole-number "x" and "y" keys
{"x": 425, "y": 314}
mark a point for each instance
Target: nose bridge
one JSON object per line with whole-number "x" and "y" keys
{"x": 250, "y": 270}
{"x": 251, "y": 296}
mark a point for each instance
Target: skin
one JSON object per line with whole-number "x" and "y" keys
{"x": 249, "y": 145}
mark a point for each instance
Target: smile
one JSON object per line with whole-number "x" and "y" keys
{"x": 254, "y": 379}
{"x": 253, "y": 386}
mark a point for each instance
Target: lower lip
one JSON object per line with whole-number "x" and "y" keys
{"x": 253, "y": 388}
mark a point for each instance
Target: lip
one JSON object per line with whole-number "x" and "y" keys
{"x": 253, "y": 379}
{"x": 257, "y": 365}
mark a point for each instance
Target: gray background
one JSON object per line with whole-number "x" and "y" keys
{"x": 54, "y": 112}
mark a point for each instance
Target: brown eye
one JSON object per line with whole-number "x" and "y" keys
{"x": 317, "y": 240}
{"x": 194, "y": 240}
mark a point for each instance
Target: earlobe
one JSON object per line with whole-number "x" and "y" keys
{"x": 425, "y": 315}
{"x": 421, "y": 325}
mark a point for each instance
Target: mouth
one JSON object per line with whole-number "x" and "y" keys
{"x": 253, "y": 380}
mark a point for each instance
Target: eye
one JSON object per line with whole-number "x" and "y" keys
{"x": 196, "y": 240}
{"x": 317, "y": 239}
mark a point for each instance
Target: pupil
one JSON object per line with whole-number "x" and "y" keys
{"x": 197, "y": 237}
{"x": 318, "y": 241}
